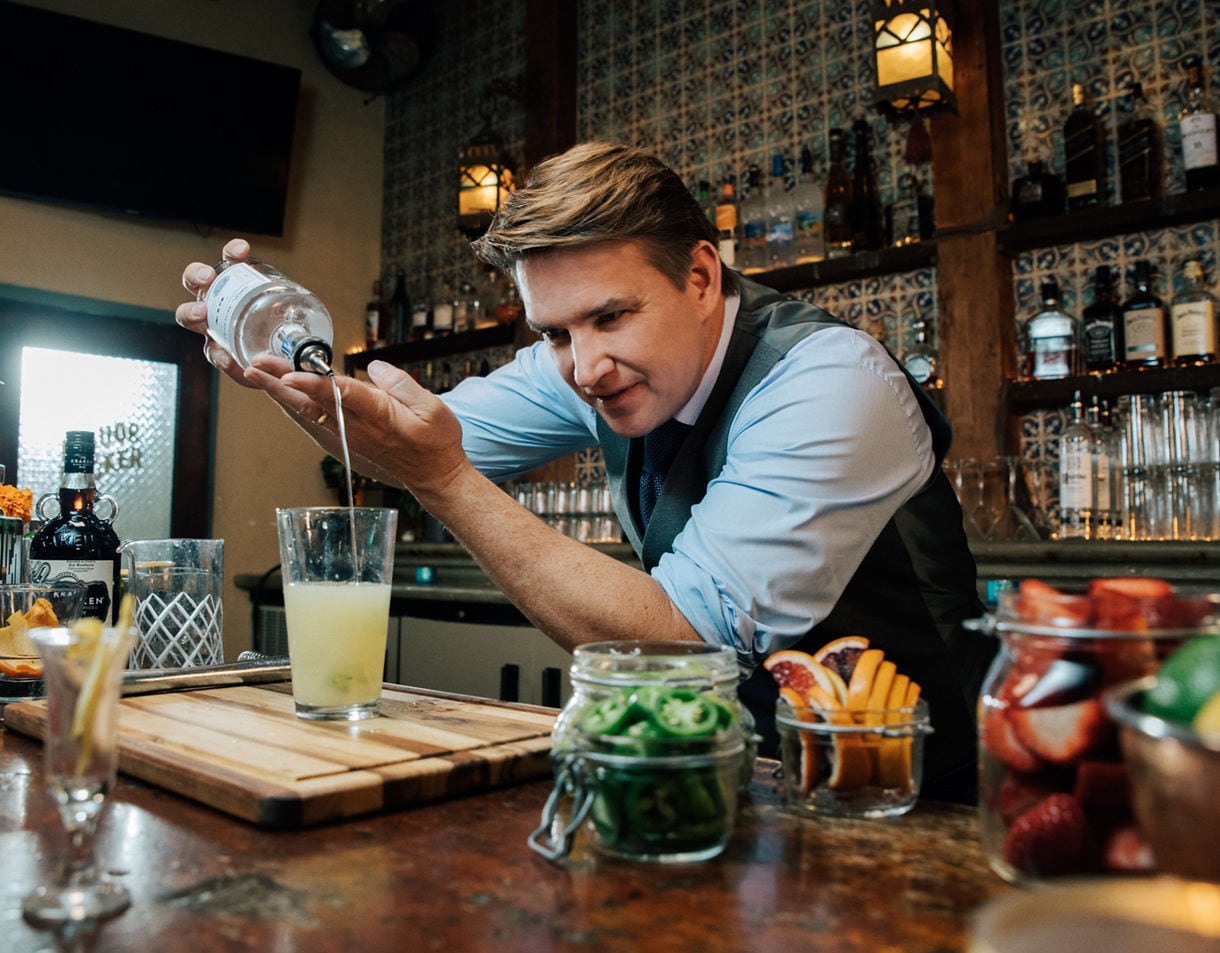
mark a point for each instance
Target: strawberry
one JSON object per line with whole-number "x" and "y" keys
{"x": 1053, "y": 680}
{"x": 1049, "y": 838}
{"x": 1062, "y": 734}
{"x": 1126, "y": 850}
{"x": 1040, "y": 604}
{"x": 1001, "y": 742}
{"x": 1134, "y": 604}
{"x": 1019, "y": 792}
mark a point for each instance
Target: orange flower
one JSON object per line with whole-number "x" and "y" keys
{"x": 15, "y": 502}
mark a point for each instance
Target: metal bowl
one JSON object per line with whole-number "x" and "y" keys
{"x": 1175, "y": 774}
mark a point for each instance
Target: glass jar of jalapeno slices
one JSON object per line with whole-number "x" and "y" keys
{"x": 650, "y": 752}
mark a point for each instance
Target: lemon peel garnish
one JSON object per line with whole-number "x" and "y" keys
{"x": 100, "y": 645}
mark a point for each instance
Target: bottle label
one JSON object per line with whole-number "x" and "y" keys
{"x": 1052, "y": 357}
{"x": 1075, "y": 480}
{"x": 726, "y": 217}
{"x": 728, "y": 250}
{"x": 1194, "y": 328}
{"x": 1145, "y": 334}
{"x": 1103, "y": 493}
{"x": 1199, "y": 140}
{"x": 1099, "y": 342}
{"x": 97, "y": 575}
{"x": 227, "y": 298}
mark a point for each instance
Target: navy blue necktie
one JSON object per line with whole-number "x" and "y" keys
{"x": 660, "y": 448}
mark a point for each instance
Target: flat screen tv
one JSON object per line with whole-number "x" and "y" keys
{"x": 96, "y": 115}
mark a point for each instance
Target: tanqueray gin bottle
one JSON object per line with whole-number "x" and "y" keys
{"x": 253, "y": 308}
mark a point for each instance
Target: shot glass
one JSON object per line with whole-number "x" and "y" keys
{"x": 852, "y": 763}
{"x": 25, "y": 608}
{"x": 337, "y": 565}
{"x": 179, "y": 613}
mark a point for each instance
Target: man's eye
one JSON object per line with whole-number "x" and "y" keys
{"x": 609, "y": 317}
{"x": 553, "y": 336}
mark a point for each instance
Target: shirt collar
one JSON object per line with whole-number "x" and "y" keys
{"x": 691, "y": 409}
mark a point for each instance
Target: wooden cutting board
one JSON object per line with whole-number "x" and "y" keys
{"x": 242, "y": 750}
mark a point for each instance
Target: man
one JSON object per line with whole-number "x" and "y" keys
{"x": 805, "y": 500}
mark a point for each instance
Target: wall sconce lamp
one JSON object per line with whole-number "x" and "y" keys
{"x": 484, "y": 179}
{"x": 914, "y": 54}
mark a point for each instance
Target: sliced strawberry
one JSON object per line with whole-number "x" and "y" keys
{"x": 1019, "y": 792}
{"x": 1040, "y": 604}
{"x": 1058, "y": 681}
{"x": 1000, "y": 740}
{"x": 1062, "y": 734}
{"x": 1103, "y": 785}
{"x": 1134, "y": 604}
{"x": 1127, "y": 850}
{"x": 1050, "y": 838}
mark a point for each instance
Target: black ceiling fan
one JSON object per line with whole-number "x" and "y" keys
{"x": 374, "y": 45}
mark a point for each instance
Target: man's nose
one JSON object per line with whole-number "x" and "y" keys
{"x": 590, "y": 362}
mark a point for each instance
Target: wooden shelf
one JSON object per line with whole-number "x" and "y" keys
{"x": 1026, "y": 394}
{"x": 829, "y": 271}
{"x": 1182, "y": 208}
{"x": 412, "y": 351}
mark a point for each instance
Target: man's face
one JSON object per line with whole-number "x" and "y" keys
{"x": 631, "y": 344}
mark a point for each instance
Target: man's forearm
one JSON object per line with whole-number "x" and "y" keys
{"x": 570, "y": 591}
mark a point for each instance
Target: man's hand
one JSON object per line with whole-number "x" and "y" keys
{"x": 193, "y": 315}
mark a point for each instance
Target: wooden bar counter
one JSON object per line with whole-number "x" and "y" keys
{"x": 457, "y": 876}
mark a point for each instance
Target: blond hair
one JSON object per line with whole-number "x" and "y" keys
{"x": 599, "y": 193}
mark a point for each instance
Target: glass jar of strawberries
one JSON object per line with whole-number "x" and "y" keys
{"x": 1053, "y": 790}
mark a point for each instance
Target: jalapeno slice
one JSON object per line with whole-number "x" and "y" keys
{"x": 685, "y": 713}
{"x": 607, "y": 716}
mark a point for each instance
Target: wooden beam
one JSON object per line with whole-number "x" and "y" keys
{"x": 550, "y": 78}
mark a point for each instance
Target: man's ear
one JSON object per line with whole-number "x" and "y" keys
{"x": 705, "y": 271}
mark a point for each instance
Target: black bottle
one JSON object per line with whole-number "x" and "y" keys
{"x": 867, "y": 224}
{"x": 838, "y": 198}
{"x": 78, "y": 545}
{"x": 1037, "y": 194}
{"x": 1084, "y": 154}
{"x": 400, "y": 308}
{"x": 1139, "y": 149}
{"x": 1103, "y": 324}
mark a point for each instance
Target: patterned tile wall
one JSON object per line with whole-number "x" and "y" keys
{"x": 1105, "y": 44}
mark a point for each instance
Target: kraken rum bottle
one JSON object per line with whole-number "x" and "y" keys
{"x": 78, "y": 545}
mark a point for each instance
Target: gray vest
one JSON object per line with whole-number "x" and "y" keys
{"x": 909, "y": 595}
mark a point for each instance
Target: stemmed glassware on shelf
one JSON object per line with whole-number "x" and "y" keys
{"x": 84, "y": 668}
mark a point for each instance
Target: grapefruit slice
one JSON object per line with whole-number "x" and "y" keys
{"x": 894, "y": 754}
{"x": 811, "y": 757}
{"x": 861, "y": 685}
{"x": 841, "y": 654}
{"x": 800, "y": 671}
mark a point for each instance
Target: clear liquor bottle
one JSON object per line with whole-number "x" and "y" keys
{"x": 1198, "y": 126}
{"x": 1076, "y": 475}
{"x": 78, "y": 545}
{"x": 1105, "y": 459}
{"x": 752, "y": 250}
{"x": 807, "y": 213}
{"x": 1192, "y": 319}
{"x": 1084, "y": 154}
{"x": 253, "y": 308}
{"x": 1139, "y": 148}
{"x": 904, "y": 213}
{"x": 1103, "y": 324}
{"x": 1052, "y": 338}
{"x": 1145, "y": 337}
{"x": 923, "y": 364}
{"x": 838, "y": 201}
{"x": 781, "y": 228}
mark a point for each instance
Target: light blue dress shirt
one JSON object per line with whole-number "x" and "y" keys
{"x": 821, "y": 455}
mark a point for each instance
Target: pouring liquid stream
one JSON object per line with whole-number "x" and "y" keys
{"x": 347, "y": 470}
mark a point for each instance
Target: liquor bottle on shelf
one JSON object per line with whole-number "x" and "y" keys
{"x": 1037, "y": 194}
{"x": 867, "y": 230}
{"x": 808, "y": 237}
{"x": 400, "y": 308}
{"x": 79, "y": 545}
{"x": 752, "y": 250}
{"x": 1145, "y": 337}
{"x": 923, "y": 363}
{"x": 1052, "y": 338}
{"x": 704, "y": 194}
{"x": 442, "y": 310}
{"x": 780, "y": 227}
{"x": 471, "y": 308}
{"x": 905, "y": 226}
{"x": 421, "y": 321}
{"x": 838, "y": 200}
{"x": 1198, "y": 126}
{"x": 1076, "y": 475}
{"x": 1139, "y": 149}
{"x": 253, "y": 308}
{"x": 1192, "y": 319}
{"x": 1103, "y": 324}
{"x": 375, "y": 319}
{"x": 1084, "y": 154}
{"x": 726, "y": 222}
{"x": 1105, "y": 459}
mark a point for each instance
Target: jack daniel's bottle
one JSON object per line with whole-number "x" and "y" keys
{"x": 78, "y": 545}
